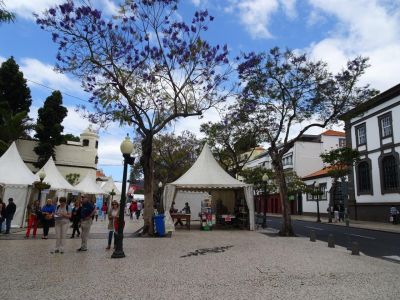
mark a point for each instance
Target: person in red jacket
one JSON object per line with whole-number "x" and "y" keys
{"x": 132, "y": 208}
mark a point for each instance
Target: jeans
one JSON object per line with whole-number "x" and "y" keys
{"x": 110, "y": 236}
{"x": 1, "y": 224}
{"x": 75, "y": 226}
{"x": 33, "y": 221}
{"x": 8, "y": 224}
{"x": 46, "y": 226}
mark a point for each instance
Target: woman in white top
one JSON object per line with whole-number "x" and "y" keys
{"x": 61, "y": 218}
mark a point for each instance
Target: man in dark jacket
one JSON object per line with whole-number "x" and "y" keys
{"x": 10, "y": 211}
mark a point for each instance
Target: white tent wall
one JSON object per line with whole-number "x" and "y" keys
{"x": 168, "y": 198}
{"x": 249, "y": 196}
{"x": 20, "y": 195}
{"x": 194, "y": 199}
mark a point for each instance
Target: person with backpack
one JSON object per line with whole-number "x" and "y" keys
{"x": 132, "y": 208}
{"x": 87, "y": 212}
{"x": 61, "y": 221}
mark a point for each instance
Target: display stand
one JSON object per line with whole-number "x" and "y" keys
{"x": 206, "y": 215}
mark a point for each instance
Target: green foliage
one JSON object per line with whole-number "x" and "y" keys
{"x": 70, "y": 137}
{"x": 15, "y": 100}
{"x": 173, "y": 155}
{"x": 13, "y": 88}
{"x": 340, "y": 161}
{"x": 228, "y": 140}
{"x": 5, "y": 15}
{"x": 294, "y": 183}
{"x": 73, "y": 178}
{"x": 49, "y": 128}
{"x": 254, "y": 176}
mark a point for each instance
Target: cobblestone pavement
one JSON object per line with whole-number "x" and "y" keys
{"x": 193, "y": 265}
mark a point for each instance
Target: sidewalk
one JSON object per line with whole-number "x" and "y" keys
{"x": 387, "y": 227}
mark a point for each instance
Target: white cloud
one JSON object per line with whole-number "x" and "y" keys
{"x": 42, "y": 73}
{"x": 256, "y": 15}
{"x": 364, "y": 27}
{"x": 26, "y": 8}
{"x": 196, "y": 2}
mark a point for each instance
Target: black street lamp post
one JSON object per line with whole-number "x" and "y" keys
{"x": 265, "y": 180}
{"x": 126, "y": 149}
{"x": 161, "y": 204}
{"x": 317, "y": 193}
{"x": 42, "y": 175}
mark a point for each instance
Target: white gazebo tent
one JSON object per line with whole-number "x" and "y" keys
{"x": 109, "y": 186}
{"x": 54, "y": 178}
{"x": 207, "y": 175}
{"x": 16, "y": 182}
{"x": 89, "y": 186}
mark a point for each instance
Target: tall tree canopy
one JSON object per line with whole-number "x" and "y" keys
{"x": 144, "y": 67}
{"x": 13, "y": 88}
{"x": 229, "y": 139}
{"x": 284, "y": 91}
{"x": 15, "y": 101}
{"x": 48, "y": 128}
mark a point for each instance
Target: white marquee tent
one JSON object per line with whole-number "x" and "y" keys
{"x": 89, "y": 186}
{"x": 16, "y": 182}
{"x": 205, "y": 175}
{"x": 109, "y": 186}
{"x": 55, "y": 179}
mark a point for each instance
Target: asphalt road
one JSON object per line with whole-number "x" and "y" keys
{"x": 373, "y": 243}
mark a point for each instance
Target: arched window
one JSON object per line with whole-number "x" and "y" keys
{"x": 85, "y": 143}
{"x": 96, "y": 160}
{"x": 97, "y": 144}
{"x": 364, "y": 182}
{"x": 390, "y": 174}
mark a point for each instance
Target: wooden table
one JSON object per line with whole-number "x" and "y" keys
{"x": 179, "y": 217}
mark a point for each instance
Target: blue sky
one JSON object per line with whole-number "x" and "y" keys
{"x": 332, "y": 30}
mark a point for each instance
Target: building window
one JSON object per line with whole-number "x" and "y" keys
{"x": 389, "y": 173}
{"x": 97, "y": 144}
{"x": 342, "y": 143}
{"x": 385, "y": 125}
{"x": 96, "y": 160}
{"x": 288, "y": 160}
{"x": 363, "y": 176}
{"x": 85, "y": 143}
{"x": 322, "y": 188}
{"x": 361, "y": 135}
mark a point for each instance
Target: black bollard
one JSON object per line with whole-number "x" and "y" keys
{"x": 331, "y": 241}
{"x": 313, "y": 236}
{"x": 355, "y": 249}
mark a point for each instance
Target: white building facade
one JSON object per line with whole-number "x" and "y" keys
{"x": 373, "y": 129}
{"x": 71, "y": 158}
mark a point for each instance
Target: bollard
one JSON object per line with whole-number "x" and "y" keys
{"x": 313, "y": 236}
{"x": 355, "y": 249}
{"x": 331, "y": 241}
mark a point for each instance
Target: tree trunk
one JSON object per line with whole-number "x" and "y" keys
{"x": 286, "y": 229}
{"x": 148, "y": 171}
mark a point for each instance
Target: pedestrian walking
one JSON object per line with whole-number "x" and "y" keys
{"x": 96, "y": 213}
{"x": 113, "y": 214}
{"x": 48, "y": 211}
{"x": 34, "y": 214}
{"x": 10, "y": 212}
{"x": 2, "y": 214}
{"x": 132, "y": 208}
{"x": 139, "y": 209}
{"x": 104, "y": 210}
{"x": 87, "y": 212}
{"x": 61, "y": 220}
{"x": 76, "y": 219}
{"x": 394, "y": 214}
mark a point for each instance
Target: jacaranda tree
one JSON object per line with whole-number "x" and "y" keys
{"x": 144, "y": 67}
{"x": 285, "y": 94}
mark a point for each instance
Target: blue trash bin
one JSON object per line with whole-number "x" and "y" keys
{"x": 160, "y": 225}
